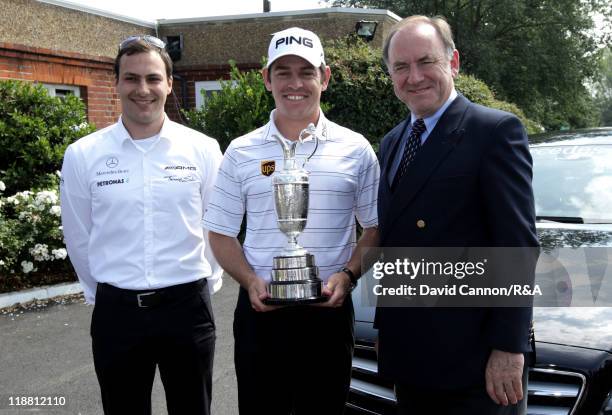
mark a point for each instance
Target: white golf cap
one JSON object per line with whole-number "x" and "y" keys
{"x": 298, "y": 42}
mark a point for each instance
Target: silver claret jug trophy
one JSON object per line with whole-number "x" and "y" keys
{"x": 295, "y": 277}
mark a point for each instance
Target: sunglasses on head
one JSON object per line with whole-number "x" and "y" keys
{"x": 151, "y": 40}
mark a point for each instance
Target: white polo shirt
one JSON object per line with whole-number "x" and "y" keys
{"x": 344, "y": 176}
{"x": 132, "y": 215}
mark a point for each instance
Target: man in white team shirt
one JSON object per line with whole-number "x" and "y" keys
{"x": 294, "y": 359}
{"x": 133, "y": 196}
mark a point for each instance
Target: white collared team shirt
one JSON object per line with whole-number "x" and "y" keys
{"x": 343, "y": 176}
{"x": 132, "y": 217}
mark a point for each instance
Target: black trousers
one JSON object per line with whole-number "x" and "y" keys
{"x": 473, "y": 400}
{"x": 175, "y": 331}
{"x": 295, "y": 360}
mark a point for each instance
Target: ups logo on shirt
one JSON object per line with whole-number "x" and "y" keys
{"x": 267, "y": 167}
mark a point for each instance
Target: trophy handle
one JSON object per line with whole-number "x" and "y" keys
{"x": 288, "y": 151}
{"x": 310, "y": 130}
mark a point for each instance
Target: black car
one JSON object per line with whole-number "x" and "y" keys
{"x": 573, "y": 370}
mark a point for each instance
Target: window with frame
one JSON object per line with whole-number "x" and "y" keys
{"x": 205, "y": 89}
{"x": 62, "y": 91}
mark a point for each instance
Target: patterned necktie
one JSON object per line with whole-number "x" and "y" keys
{"x": 410, "y": 149}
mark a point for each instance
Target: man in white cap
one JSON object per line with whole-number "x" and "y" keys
{"x": 294, "y": 359}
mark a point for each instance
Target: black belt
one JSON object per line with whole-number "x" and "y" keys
{"x": 149, "y": 298}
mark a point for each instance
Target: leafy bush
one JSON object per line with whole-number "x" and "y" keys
{"x": 360, "y": 92}
{"x": 359, "y": 96}
{"x": 242, "y": 105}
{"x": 477, "y": 91}
{"x": 31, "y": 242}
{"x": 362, "y": 97}
{"x": 35, "y": 129}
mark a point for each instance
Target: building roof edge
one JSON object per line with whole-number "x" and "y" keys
{"x": 99, "y": 12}
{"x": 235, "y": 17}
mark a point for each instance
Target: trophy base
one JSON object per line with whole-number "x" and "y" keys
{"x": 295, "y": 280}
{"x": 293, "y": 261}
{"x": 295, "y": 292}
{"x": 295, "y": 275}
{"x": 295, "y": 301}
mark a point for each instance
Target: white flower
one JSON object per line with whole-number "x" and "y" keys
{"x": 13, "y": 200}
{"x": 46, "y": 196}
{"x": 55, "y": 210}
{"x": 30, "y": 207}
{"x": 1, "y": 262}
{"x": 79, "y": 127}
{"x": 40, "y": 252}
{"x": 59, "y": 253}
{"x": 27, "y": 267}
{"x": 2, "y": 186}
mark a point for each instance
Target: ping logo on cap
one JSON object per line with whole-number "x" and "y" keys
{"x": 298, "y": 42}
{"x": 289, "y": 40}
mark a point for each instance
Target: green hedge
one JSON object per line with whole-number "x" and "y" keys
{"x": 477, "y": 91}
{"x": 360, "y": 96}
{"x": 360, "y": 92}
{"x": 34, "y": 132}
{"x": 242, "y": 105}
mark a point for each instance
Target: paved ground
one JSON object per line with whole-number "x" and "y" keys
{"x": 47, "y": 353}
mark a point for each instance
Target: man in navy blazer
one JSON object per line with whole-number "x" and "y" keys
{"x": 465, "y": 181}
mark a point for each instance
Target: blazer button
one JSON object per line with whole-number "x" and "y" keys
{"x": 420, "y": 223}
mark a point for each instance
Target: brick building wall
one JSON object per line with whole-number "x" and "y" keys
{"x": 42, "y": 24}
{"x": 93, "y": 75}
{"x": 54, "y": 42}
{"x": 245, "y": 38}
{"x": 209, "y": 43}
{"x": 51, "y": 44}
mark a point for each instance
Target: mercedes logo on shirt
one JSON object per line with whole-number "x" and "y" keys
{"x": 112, "y": 162}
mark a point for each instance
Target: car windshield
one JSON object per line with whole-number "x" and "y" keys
{"x": 573, "y": 183}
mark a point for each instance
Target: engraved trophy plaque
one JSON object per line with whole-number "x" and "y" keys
{"x": 295, "y": 276}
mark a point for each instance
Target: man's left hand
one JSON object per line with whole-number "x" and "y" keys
{"x": 504, "y": 377}
{"x": 337, "y": 288}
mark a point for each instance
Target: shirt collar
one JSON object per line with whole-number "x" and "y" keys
{"x": 122, "y": 134}
{"x": 431, "y": 121}
{"x": 322, "y": 128}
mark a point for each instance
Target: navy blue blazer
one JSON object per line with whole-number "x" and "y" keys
{"x": 469, "y": 185}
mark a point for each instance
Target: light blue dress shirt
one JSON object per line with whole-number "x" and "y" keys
{"x": 430, "y": 124}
